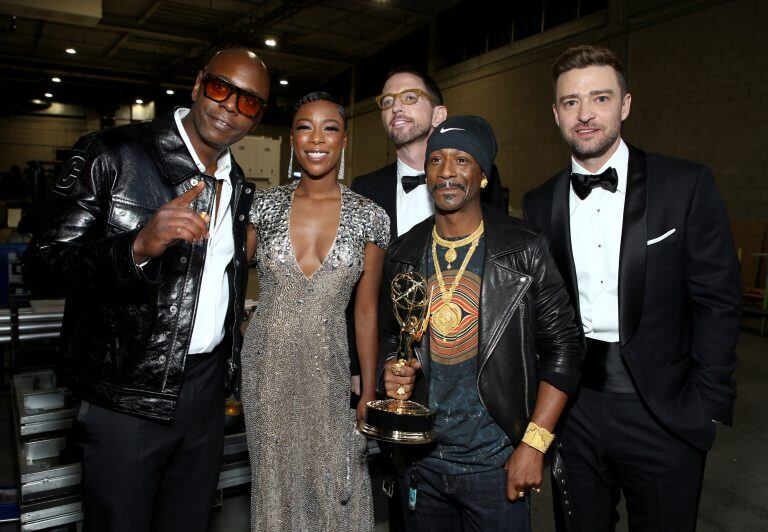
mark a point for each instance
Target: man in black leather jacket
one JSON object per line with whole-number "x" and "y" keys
{"x": 147, "y": 239}
{"x": 500, "y": 356}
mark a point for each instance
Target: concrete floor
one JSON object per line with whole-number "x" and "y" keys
{"x": 735, "y": 480}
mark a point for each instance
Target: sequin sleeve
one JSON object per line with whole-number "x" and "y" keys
{"x": 257, "y": 210}
{"x": 378, "y": 226}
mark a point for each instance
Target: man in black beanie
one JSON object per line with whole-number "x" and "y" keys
{"x": 502, "y": 350}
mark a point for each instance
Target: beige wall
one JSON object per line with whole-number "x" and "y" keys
{"x": 36, "y": 138}
{"x": 700, "y": 91}
{"x": 698, "y": 72}
{"x": 367, "y": 147}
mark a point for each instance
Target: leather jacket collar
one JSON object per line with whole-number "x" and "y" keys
{"x": 177, "y": 161}
{"x": 499, "y": 240}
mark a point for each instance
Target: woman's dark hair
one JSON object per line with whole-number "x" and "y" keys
{"x": 320, "y": 96}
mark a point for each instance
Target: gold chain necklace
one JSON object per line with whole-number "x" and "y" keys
{"x": 450, "y": 254}
{"x": 448, "y": 317}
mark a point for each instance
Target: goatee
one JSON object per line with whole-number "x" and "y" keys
{"x": 593, "y": 151}
{"x": 403, "y": 138}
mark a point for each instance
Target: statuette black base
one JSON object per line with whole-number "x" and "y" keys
{"x": 396, "y": 421}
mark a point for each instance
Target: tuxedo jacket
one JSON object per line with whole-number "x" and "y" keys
{"x": 679, "y": 288}
{"x": 381, "y": 186}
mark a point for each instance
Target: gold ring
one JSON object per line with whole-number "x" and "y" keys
{"x": 400, "y": 390}
{"x": 521, "y": 494}
{"x": 396, "y": 369}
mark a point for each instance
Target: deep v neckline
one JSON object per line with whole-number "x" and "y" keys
{"x": 333, "y": 243}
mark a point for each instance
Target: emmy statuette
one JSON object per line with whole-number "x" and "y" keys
{"x": 397, "y": 420}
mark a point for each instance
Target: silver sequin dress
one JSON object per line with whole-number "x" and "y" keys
{"x": 308, "y": 461}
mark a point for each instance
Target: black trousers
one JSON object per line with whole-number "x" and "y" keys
{"x": 140, "y": 475}
{"x": 612, "y": 444}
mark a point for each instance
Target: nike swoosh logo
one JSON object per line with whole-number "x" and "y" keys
{"x": 447, "y": 129}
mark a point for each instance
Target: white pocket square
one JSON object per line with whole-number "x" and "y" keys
{"x": 660, "y": 238}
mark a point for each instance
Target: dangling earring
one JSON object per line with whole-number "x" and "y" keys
{"x": 341, "y": 166}
{"x": 290, "y": 165}
{"x": 484, "y": 182}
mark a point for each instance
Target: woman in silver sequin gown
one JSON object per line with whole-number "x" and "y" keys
{"x": 308, "y": 460}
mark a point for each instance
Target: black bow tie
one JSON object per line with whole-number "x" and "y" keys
{"x": 584, "y": 183}
{"x": 412, "y": 181}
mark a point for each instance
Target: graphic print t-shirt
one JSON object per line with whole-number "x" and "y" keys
{"x": 468, "y": 439}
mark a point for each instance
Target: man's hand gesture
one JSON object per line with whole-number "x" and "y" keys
{"x": 172, "y": 222}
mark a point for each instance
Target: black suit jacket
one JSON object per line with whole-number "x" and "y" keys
{"x": 381, "y": 186}
{"x": 679, "y": 297}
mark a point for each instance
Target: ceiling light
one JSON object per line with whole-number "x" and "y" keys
{"x": 56, "y": 80}
{"x": 283, "y": 82}
{"x": 271, "y": 42}
{"x": 170, "y": 92}
{"x": 139, "y": 102}
{"x": 71, "y": 51}
{"x": 48, "y": 95}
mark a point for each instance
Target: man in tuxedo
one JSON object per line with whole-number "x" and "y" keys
{"x": 411, "y": 106}
{"x": 645, "y": 248}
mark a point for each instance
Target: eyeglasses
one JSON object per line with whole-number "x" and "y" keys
{"x": 406, "y": 97}
{"x": 218, "y": 90}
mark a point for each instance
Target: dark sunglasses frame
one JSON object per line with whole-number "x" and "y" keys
{"x": 237, "y": 90}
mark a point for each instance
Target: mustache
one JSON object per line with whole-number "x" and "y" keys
{"x": 591, "y": 125}
{"x": 445, "y": 184}
{"x": 401, "y": 117}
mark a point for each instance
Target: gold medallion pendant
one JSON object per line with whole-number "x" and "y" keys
{"x": 447, "y": 318}
{"x": 450, "y": 256}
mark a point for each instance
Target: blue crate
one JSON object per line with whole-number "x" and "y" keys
{"x": 9, "y": 503}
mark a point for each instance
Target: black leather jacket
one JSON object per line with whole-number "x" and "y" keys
{"x": 126, "y": 329}
{"x": 528, "y": 329}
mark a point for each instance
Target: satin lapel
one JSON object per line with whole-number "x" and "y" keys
{"x": 634, "y": 238}
{"x": 389, "y": 197}
{"x": 560, "y": 237}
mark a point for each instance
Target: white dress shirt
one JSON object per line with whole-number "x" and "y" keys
{"x": 596, "y": 224}
{"x": 213, "y": 298}
{"x": 416, "y": 205}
